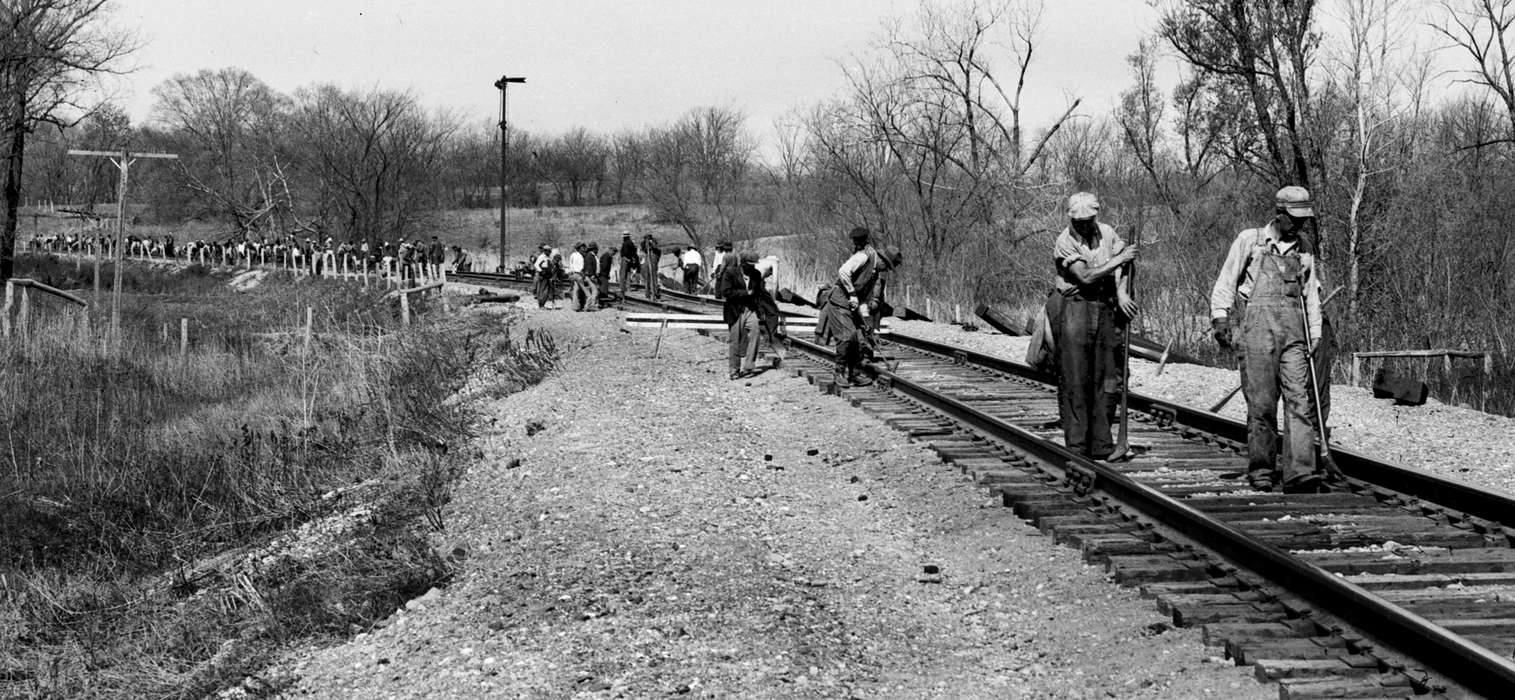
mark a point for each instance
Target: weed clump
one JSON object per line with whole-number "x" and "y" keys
{"x": 169, "y": 517}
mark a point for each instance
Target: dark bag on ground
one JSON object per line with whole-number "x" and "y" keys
{"x": 1404, "y": 391}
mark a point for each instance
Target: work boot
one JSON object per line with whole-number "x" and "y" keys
{"x": 1260, "y": 481}
{"x": 1306, "y": 484}
{"x": 840, "y": 375}
{"x": 858, "y": 378}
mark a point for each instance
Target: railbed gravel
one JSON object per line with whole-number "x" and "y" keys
{"x": 670, "y": 532}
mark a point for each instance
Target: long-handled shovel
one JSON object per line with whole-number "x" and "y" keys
{"x": 1322, "y": 445}
{"x": 1122, "y": 445}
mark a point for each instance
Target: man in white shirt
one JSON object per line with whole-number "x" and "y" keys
{"x": 584, "y": 293}
{"x": 692, "y": 261}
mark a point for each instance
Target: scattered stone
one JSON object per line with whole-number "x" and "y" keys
{"x": 862, "y": 497}
{"x": 812, "y": 452}
{"x": 513, "y": 463}
{"x": 534, "y": 426}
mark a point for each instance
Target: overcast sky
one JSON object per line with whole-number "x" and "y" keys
{"x": 604, "y": 64}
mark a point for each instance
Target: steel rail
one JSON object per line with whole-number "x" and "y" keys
{"x": 1468, "y": 664}
{"x": 1442, "y": 491}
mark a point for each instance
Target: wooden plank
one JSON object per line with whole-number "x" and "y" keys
{"x": 1420, "y": 353}
{"x": 22, "y": 282}
{"x": 685, "y": 325}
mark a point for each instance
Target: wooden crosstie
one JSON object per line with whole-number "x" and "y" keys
{"x": 711, "y": 322}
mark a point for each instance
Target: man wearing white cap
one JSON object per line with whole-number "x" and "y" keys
{"x": 1091, "y": 278}
{"x": 1258, "y": 292}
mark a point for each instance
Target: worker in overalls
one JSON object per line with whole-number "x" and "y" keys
{"x": 1258, "y": 293}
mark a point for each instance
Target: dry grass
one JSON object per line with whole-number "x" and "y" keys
{"x": 167, "y": 521}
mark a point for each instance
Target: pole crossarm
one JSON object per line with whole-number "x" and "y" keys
{"x": 123, "y": 154}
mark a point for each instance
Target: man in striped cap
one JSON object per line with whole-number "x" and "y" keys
{"x": 1092, "y": 280}
{"x": 1256, "y": 304}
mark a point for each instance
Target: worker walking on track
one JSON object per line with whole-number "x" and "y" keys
{"x": 1093, "y": 284}
{"x": 769, "y": 316}
{"x": 1258, "y": 294}
{"x": 544, "y": 286}
{"x": 739, "y": 287}
{"x": 631, "y": 261}
{"x": 850, "y": 306}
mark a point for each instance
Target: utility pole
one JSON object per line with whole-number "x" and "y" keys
{"x": 503, "y": 83}
{"x": 123, "y": 160}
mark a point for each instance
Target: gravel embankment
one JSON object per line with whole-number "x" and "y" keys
{"x": 670, "y": 532}
{"x": 1449, "y": 441}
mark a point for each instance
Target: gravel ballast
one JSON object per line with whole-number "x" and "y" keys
{"x": 666, "y": 531}
{"x": 1449, "y": 441}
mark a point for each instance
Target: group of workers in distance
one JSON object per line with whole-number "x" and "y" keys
{"x": 586, "y": 273}
{"x": 1265, "y": 304}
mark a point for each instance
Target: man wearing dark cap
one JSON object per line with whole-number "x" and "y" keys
{"x": 740, "y": 287}
{"x": 607, "y": 261}
{"x": 1090, "y": 260}
{"x": 850, "y": 306}
{"x": 631, "y": 261}
{"x": 592, "y": 275}
{"x": 1258, "y": 294}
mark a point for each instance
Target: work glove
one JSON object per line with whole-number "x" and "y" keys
{"x": 1222, "y": 330}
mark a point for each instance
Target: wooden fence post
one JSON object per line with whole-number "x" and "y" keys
{"x": 22, "y": 316}
{"x": 1356, "y": 369}
{"x": 1488, "y": 377}
{"x": 183, "y": 337}
{"x": 5, "y": 311}
{"x": 310, "y": 315}
{"x": 404, "y": 309}
{"x": 442, "y": 291}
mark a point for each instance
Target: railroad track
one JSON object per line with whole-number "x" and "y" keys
{"x": 1399, "y": 583}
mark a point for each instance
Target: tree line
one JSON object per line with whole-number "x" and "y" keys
{"x": 927, "y": 145}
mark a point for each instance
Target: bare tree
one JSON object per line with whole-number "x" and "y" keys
{"x": 230, "y": 119}
{"x": 1379, "y": 88}
{"x": 931, "y": 139}
{"x": 573, "y": 161}
{"x": 1480, "y": 28}
{"x": 1259, "y": 51}
{"x": 370, "y": 159}
{"x": 49, "y": 51}
{"x": 695, "y": 170}
{"x": 628, "y": 163}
